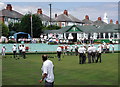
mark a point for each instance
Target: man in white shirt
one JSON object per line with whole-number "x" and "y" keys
{"x": 99, "y": 51}
{"x": 59, "y": 51}
{"x": 3, "y": 51}
{"x": 20, "y": 50}
{"x": 14, "y": 49}
{"x": 113, "y": 48}
{"x": 47, "y": 72}
{"x": 108, "y": 47}
{"x": 23, "y": 51}
{"x": 93, "y": 53}
{"x": 89, "y": 52}
{"x": 81, "y": 52}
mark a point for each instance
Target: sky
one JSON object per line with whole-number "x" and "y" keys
{"x": 77, "y": 9}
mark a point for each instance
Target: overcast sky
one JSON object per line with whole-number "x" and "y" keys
{"x": 77, "y": 9}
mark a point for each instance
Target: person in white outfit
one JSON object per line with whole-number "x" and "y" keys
{"x": 47, "y": 72}
{"x": 99, "y": 51}
{"x": 113, "y": 48}
{"x": 20, "y": 50}
{"x": 89, "y": 52}
{"x": 93, "y": 53}
{"x": 59, "y": 51}
{"x": 23, "y": 51}
{"x": 3, "y": 51}
{"x": 14, "y": 49}
{"x": 81, "y": 52}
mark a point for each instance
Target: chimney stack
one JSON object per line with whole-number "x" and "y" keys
{"x": 99, "y": 18}
{"x": 111, "y": 21}
{"x": 66, "y": 12}
{"x": 87, "y": 17}
{"x": 55, "y": 15}
{"x": 9, "y": 7}
{"x": 39, "y": 11}
{"x": 117, "y": 22}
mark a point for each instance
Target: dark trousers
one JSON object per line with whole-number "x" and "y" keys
{"x": 59, "y": 55}
{"x": 93, "y": 56}
{"x": 84, "y": 58}
{"x": 23, "y": 53}
{"x": 81, "y": 58}
{"x": 107, "y": 50}
{"x": 89, "y": 57}
{"x": 20, "y": 53}
{"x": 98, "y": 57}
{"x": 48, "y": 84}
{"x": 14, "y": 54}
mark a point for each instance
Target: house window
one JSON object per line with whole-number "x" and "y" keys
{"x": 6, "y": 19}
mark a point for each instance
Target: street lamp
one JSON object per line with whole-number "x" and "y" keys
{"x": 50, "y": 15}
{"x": 31, "y": 23}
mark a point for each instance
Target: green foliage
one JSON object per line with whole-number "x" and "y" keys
{"x": 10, "y": 26}
{"x": 3, "y": 42}
{"x": 5, "y": 30}
{"x": 17, "y": 27}
{"x": 36, "y": 25}
{"x": 52, "y": 43}
{"x": 11, "y": 41}
{"x": 52, "y": 27}
{"x": 14, "y": 28}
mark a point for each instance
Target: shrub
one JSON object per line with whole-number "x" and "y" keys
{"x": 52, "y": 43}
{"x": 11, "y": 41}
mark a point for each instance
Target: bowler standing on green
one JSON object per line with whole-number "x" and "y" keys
{"x": 47, "y": 72}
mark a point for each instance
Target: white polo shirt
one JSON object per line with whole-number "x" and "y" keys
{"x": 20, "y": 48}
{"x": 93, "y": 49}
{"x": 99, "y": 50}
{"x": 48, "y": 69}
{"x": 3, "y": 49}
{"x": 89, "y": 50}
{"x": 81, "y": 50}
{"x": 59, "y": 49}
{"x": 23, "y": 49}
{"x": 14, "y": 48}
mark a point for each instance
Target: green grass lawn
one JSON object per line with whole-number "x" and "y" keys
{"x": 67, "y": 72}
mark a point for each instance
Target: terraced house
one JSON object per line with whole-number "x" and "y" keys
{"x": 9, "y": 15}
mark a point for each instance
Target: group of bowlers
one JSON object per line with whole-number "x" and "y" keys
{"x": 91, "y": 52}
{"x": 21, "y": 49}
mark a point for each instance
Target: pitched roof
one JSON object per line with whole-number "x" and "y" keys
{"x": 65, "y": 18}
{"x": 44, "y": 17}
{"x": 11, "y": 14}
{"x": 74, "y": 19}
{"x": 98, "y": 22}
{"x": 87, "y": 29}
{"x": 86, "y": 21}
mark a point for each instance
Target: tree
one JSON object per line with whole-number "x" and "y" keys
{"x": 36, "y": 25}
{"x": 16, "y": 27}
{"x": 52, "y": 27}
{"x": 5, "y": 30}
{"x": 10, "y": 26}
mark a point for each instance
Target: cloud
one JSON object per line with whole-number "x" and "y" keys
{"x": 2, "y": 5}
{"x": 94, "y": 11}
